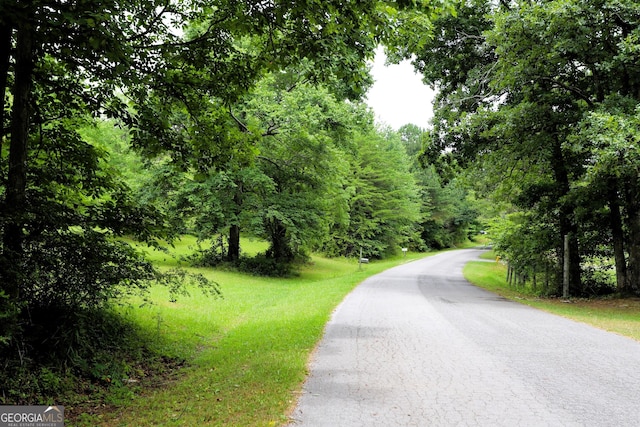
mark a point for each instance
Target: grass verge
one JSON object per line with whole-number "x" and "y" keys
{"x": 618, "y": 315}
{"x": 246, "y": 354}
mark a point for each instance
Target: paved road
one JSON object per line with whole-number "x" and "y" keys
{"x": 419, "y": 346}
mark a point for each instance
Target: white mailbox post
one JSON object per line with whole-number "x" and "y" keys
{"x": 362, "y": 260}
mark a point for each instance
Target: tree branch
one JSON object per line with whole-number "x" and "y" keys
{"x": 152, "y": 24}
{"x": 272, "y": 128}
{"x": 203, "y": 37}
{"x": 241, "y": 125}
{"x": 568, "y": 88}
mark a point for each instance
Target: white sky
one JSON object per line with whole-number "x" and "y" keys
{"x": 398, "y": 96}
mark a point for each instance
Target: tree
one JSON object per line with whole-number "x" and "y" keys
{"x": 447, "y": 211}
{"x": 580, "y": 58}
{"x": 610, "y": 136}
{"x": 288, "y": 188}
{"x": 306, "y": 133}
{"x": 190, "y": 113}
{"x": 515, "y": 81}
{"x": 383, "y": 202}
{"x": 60, "y": 204}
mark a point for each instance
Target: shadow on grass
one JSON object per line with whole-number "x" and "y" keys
{"x": 85, "y": 360}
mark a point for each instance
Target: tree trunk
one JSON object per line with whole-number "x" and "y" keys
{"x": 547, "y": 277}
{"x": 566, "y": 268}
{"x": 633, "y": 273}
{"x": 566, "y": 224}
{"x": 279, "y": 249}
{"x": 233, "y": 252}
{"x": 5, "y": 54}
{"x": 617, "y": 234}
{"x": 633, "y": 213}
{"x": 15, "y": 198}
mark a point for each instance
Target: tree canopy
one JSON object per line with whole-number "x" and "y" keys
{"x": 522, "y": 88}
{"x": 170, "y": 72}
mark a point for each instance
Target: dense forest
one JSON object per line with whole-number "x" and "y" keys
{"x": 145, "y": 120}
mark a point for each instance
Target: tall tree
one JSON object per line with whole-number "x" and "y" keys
{"x": 574, "y": 55}
{"x": 150, "y": 63}
{"x": 287, "y": 186}
{"x": 306, "y": 133}
{"x": 610, "y": 136}
{"x": 447, "y": 211}
{"x": 384, "y": 206}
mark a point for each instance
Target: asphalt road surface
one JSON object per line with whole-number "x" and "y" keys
{"x": 419, "y": 346}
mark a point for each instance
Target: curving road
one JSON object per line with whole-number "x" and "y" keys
{"x": 419, "y": 346}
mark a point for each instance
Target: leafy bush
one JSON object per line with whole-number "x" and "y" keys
{"x": 598, "y": 277}
{"x": 209, "y": 257}
{"x": 66, "y": 264}
{"x": 262, "y": 265}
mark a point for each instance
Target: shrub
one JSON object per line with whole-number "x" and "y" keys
{"x": 262, "y": 265}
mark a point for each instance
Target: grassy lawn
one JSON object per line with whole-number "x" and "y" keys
{"x": 246, "y": 354}
{"x": 621, "y": 316}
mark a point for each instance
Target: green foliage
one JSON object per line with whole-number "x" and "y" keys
{"x": 610, "y": 136}
{"x": 264, "y": 265}
{"x": 211, "y": 256}
{"x": 448, "y": 210}
{"x": 288, "y": 190}
{"x": 8, "y": 315}
{"x": 114, "y": 140}
{"x": 76, "y": 270}
{"x": 383, "y": 206}
{"x": 530, "y": 96}
{"x": 306, "y": 133}
{"x": 76, "y": 208}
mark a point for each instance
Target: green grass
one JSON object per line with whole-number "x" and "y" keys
{"x": 489, "y": 255}
{"x": 246, "y": 353}
{"x": 621, "y": 316}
